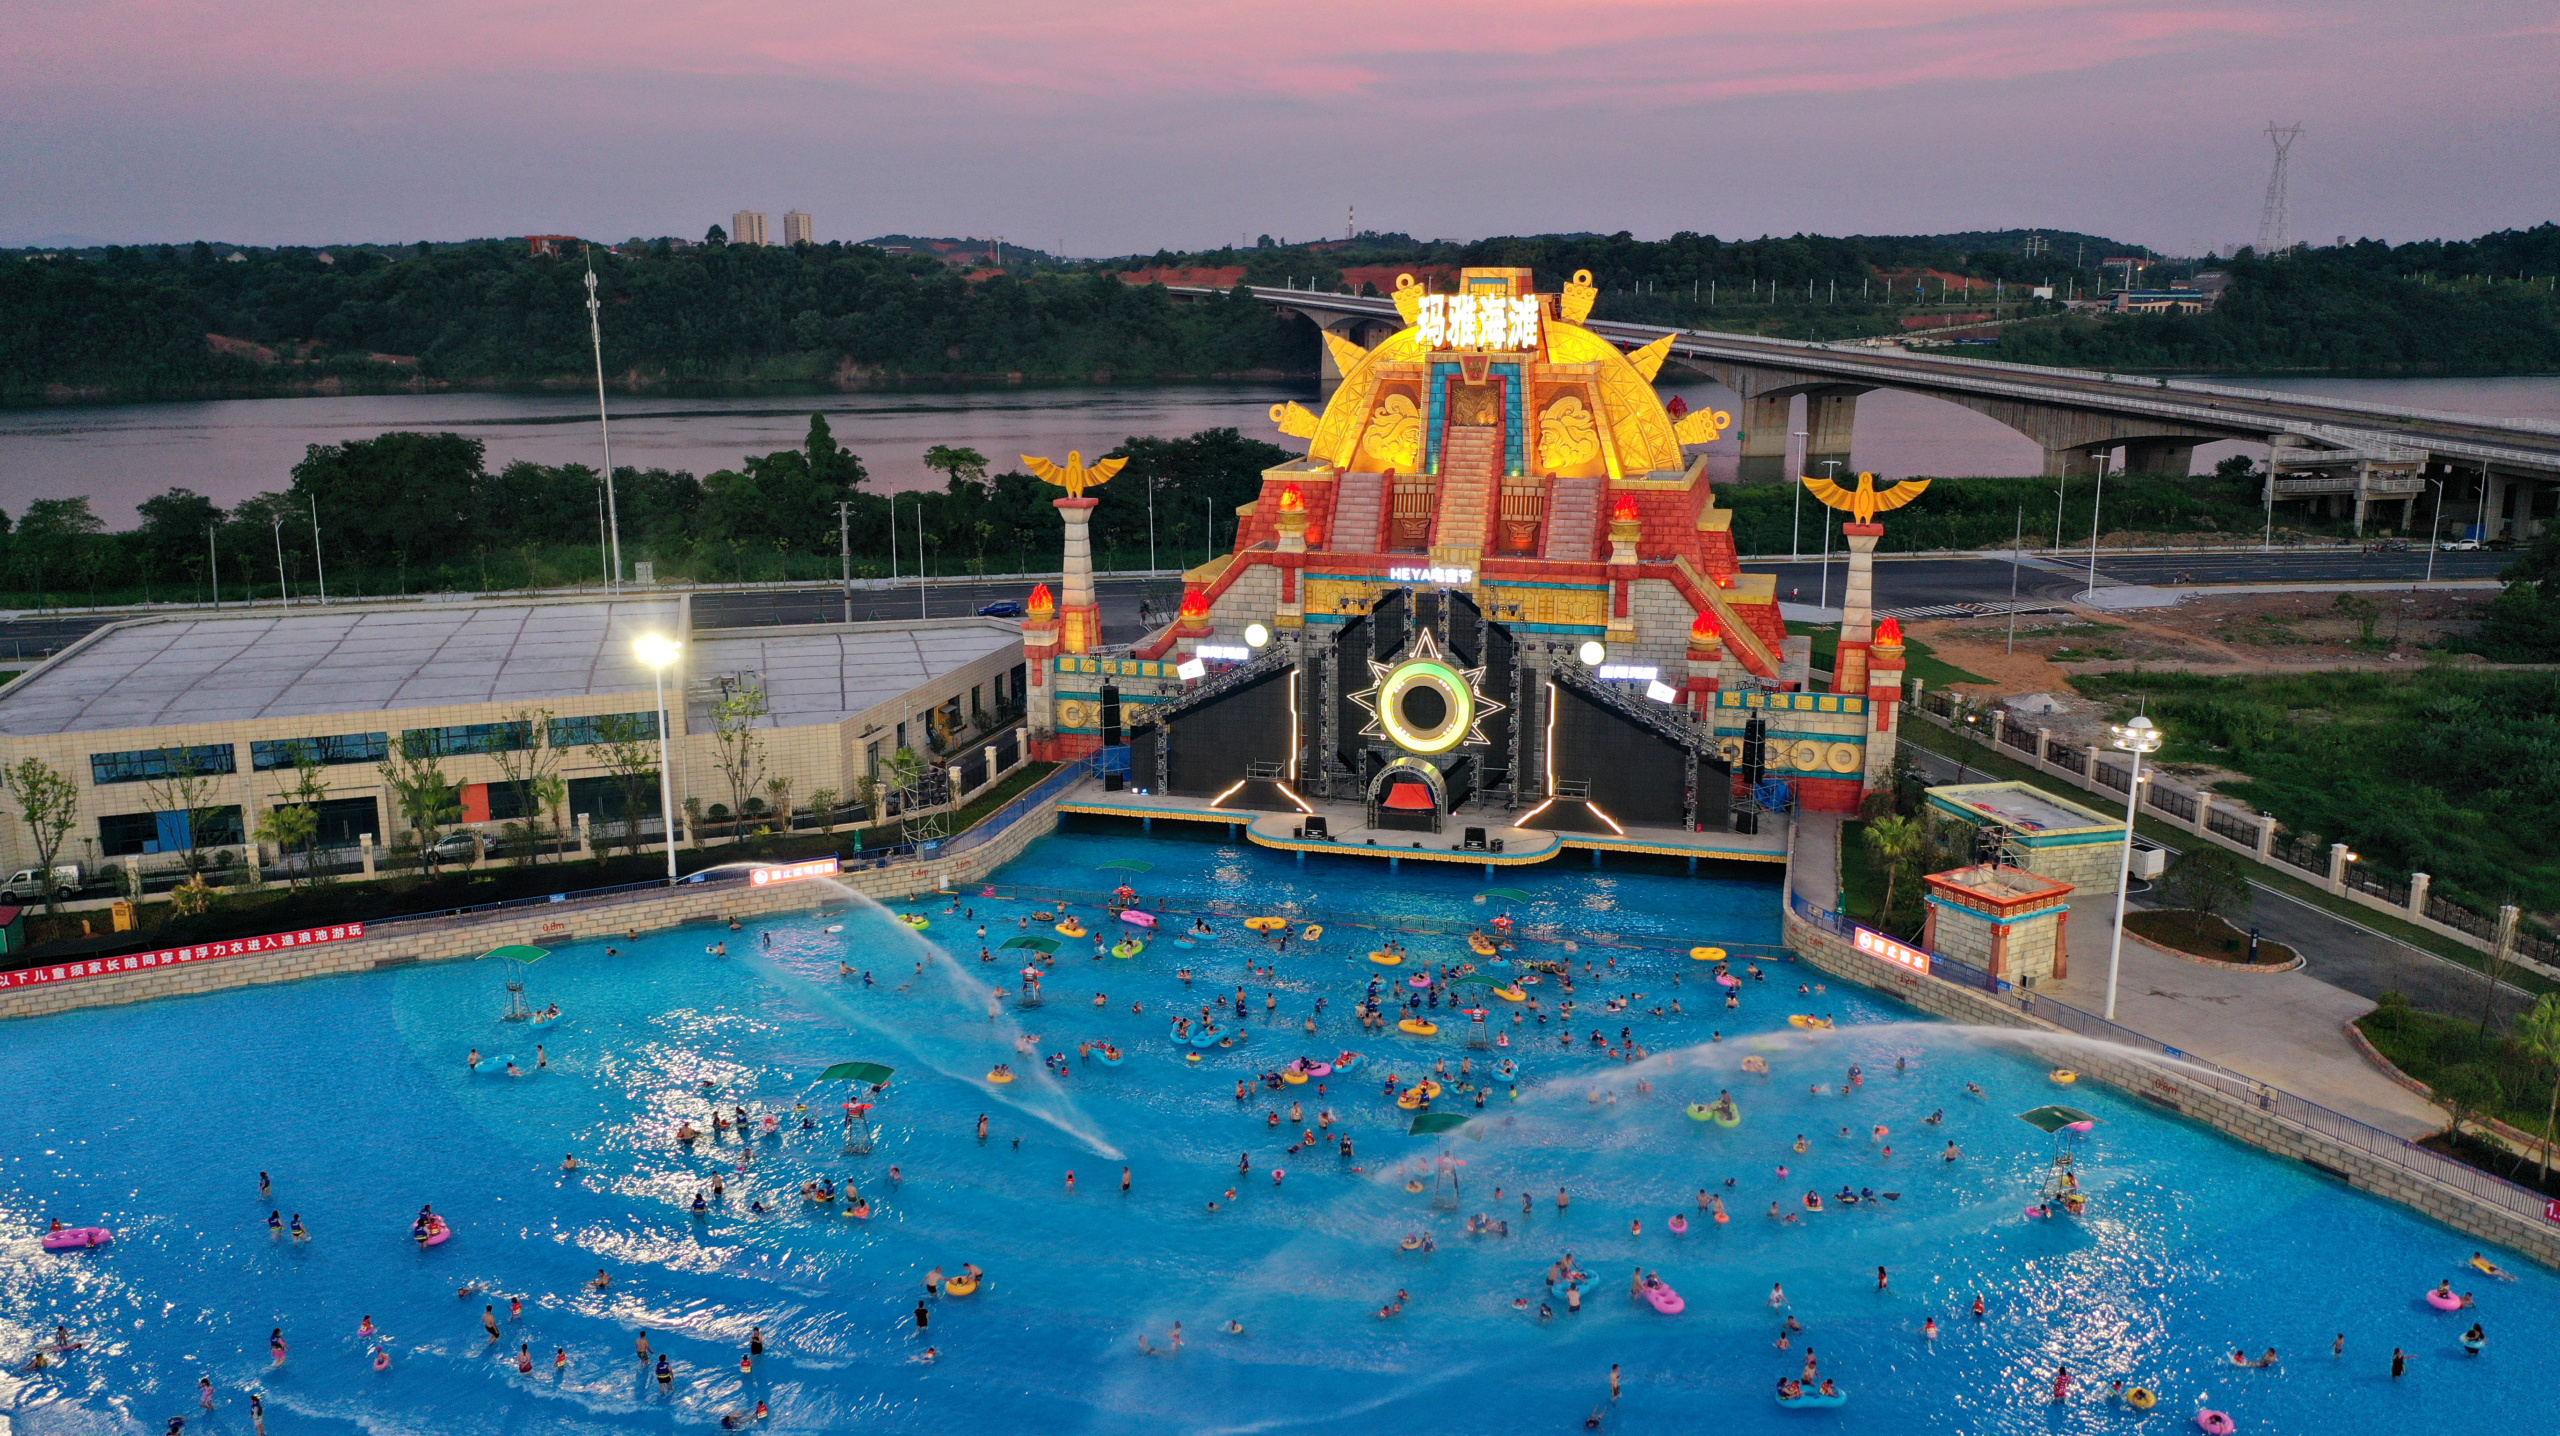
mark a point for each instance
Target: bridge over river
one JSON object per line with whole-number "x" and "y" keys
{"x": 2503, "y": 474}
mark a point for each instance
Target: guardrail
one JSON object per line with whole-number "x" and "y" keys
{"x": 2363, "y": 1137}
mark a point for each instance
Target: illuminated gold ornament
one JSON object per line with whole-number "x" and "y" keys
{"x": 1567, "y": 434}
{"x": 1347, "y": 356}
{"x": 1698, "y": 426}
{"x": 1648, "y": 360}
{"x": 1863, "y": 503}
{"x": 1574, "y": 305}
{"x": 1073, "y": 475}
{"x": 1394, "y": 435}
{"x": 1424, "y": 702}
{"x": 1294, "y": 419}
{"x": 1408, "y": 297}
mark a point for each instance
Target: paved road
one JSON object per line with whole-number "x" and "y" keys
{"x": 1908, "y": 583}
{"x": 2335, "y": 950}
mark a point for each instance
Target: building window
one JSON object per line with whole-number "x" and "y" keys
{"x": 977, "y": 710}
{"x": 582, "y": 732}
{"x": 466, "y": 738}
{"x": 871, "y": 759}
{"x": 142, "y": 765}
{"x": 127, "y": 834}
{"x": 902, "y": 736}
{"x": 269, "y": 754}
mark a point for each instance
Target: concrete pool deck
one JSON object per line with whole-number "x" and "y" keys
{"x": 2285, "y": 1029}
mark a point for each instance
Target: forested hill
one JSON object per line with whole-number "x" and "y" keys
{"x": 2486, "y": 306}
{"x": 140, "y": 321}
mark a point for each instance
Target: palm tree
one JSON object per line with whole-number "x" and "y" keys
{"x": 1892, "y": 842}
{"x": 2540, "y": 1034}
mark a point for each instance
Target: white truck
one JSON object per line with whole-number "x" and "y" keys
{"x": 27, "y": 885}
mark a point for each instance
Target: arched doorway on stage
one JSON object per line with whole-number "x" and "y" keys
{"x": 1408, "y": 794}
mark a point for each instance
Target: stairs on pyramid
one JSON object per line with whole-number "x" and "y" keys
{"x": 1573, "y": 520}
{"x": 1358, "y": 501}
{"x": 1470, "y": 467}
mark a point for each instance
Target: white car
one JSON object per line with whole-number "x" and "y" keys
{"x": 2460, "y": 545}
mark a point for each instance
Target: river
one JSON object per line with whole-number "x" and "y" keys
{"x": 230, "y": 449}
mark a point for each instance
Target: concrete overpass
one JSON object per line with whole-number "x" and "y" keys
{"x": 2337, "y": 452}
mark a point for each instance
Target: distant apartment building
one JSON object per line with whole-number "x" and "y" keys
{"x": 747, "y": 227}
{"x": 542, "y": 244}
{"x": 798, "y": 228}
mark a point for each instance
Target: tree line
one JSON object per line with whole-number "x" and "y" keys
{"x": 416, "y": 512}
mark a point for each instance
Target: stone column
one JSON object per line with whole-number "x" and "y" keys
{"x": 2338, "y": 868}
{"x": 1626, "y": 526}
{"x": 1857, "y": 609}
{"x": 1883, "y": 688}
{"x": 1764, "y": 439}
{"x": 1292, "y": 523}
{"x": 2419, "y": 883}
{"x": 364, "y": 852}
{"x": 1079, "y": 617}
{"x": 2204, "y": 810}
{"x": 1829, "y": 417}
{"x": 2173, "y": 457}
{"x": 2266, "y": 839}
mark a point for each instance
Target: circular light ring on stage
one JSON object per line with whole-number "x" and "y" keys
{"x": 1406, "y": 701}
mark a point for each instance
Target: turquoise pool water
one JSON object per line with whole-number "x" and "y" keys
{"x": 355, "y": 1096}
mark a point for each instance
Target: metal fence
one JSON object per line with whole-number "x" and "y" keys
{"x": 2232, "y": 826}
{"x": 2063, "y": 755}
{"x": 2397, "y": 1152}
{"x": 2309, "y": 857}
{"x": 2169, "y": 800}
{"x": 2106, "y": 775}
{"x": 2394, "y": 891}
{"x": 2022, "y": 739}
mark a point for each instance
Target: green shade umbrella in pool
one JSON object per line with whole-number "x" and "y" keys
{"x": 518, "y": 952}
{"x": 1506, "y": 894}
{"x": 1477, "y": 979}
{"x": 1044, "y": 944}
{"x": 1432, "y": 1123}
{"x": 857, "y": 1072}
{"x": 2054, "y": 1119}
{"x": 1126, "y": 865}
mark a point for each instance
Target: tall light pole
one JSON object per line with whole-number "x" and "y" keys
{"x": 612, "y": 514}
{"x": 922, "y": 568}
{"x": 1795, "y": 533}
{"x": 213, "y": 563}
{"x": 844, "y": 547}
{"x": 2137, "y": 737}
{"x": 658, "y": 652}
{"x": 1828, "y": 466}
{"x": 2096, "y": 499}
{"x": 318, "y": 566}
{"x": 1151, "y": 520}
{"x": 284, "y": 595}
{"x": 2435, "y": 526}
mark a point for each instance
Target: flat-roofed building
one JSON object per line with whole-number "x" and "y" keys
{"x": 747, "y": 226}
{"x": 798, "y": 228}
{"x": 233, "y": 699}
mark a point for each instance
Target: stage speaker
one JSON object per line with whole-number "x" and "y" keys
{"x": 1496, "y": 845}
{"x": 1110, "y": 716}
{"x": 1316, "y": 828}
{"x": 1111, "y": 782}
{"x": 1475, "y": 840}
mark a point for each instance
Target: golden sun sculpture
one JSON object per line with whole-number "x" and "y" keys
{"x": 1073, "y": 476}
{"x": 1863, "y": 503}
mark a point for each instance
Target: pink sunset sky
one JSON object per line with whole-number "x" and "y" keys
{"x": 1108, "y": 126}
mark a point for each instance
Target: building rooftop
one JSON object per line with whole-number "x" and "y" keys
{"x": 2021, "y": 807}
{"x": 162, "y": 672}
{"x": 820, "y": 675}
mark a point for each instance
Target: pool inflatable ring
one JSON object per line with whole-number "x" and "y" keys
{"x": 1481, "y": 944}
{"x": 1387, "y": 959}
{"x": 859, "y": 1210}
{"x": 1346, "y": 1061}
{"x": 1663, "y": 1299}
{"x": 1729, "y": 1117}
{"x": 1679, "y": 1225}
{"x": 2065, "y": 1076}
{"x": 2140, "y": 1398}
{"x": 1511, "y": 994}
{"x": 1418, "y": 981}
{"x": 1135, "y": 918}
{"x": 1126, "y": 948}
{"x": 1071, "y": 928}
{"x": 1706, "y": 954}
{"x": 1294, "y": 1079}
{"x": 1412, "y": 1028}
{"x": 1410, "y": 1101}
{"x": 1809, "y": 1022}
{"x": 915, "y": 920}
{"x": 1701, "y": 1112}
{"x": 1727, "y": 979}
{"x": 999, "y": 1078}
{"x": 1318, "y": 1070}
{"x": 1265, "y": 924}
{"x": 2216, "y": 1423}
{"x": 1428, "y": 1088}
{"x": 962, "y": 1287}
{"x": 437, "y": 1233}
{"x": 1813, "y": 1399}
{"x": 1111, "y": 1056}
{"x": 1184, "y": 941}
{"x": 1314, "y": 931}
{"x": 1190, "y": 1056}
{"x": 839, "y": 927}
{"x": 1044, "y": 917}
{"x": 381, "y": 1359}
{"x": 73, "y": 1239}
{"x": 2444, "y": 1301}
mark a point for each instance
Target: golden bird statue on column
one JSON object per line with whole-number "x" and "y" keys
{"x": 1863, "y": 503}
{"x": 1072, "y": 475}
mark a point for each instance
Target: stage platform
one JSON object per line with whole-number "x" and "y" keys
{"x": 1521, "y": 847}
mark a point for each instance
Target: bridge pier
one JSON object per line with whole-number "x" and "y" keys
{"x": 1764, "y": 439}
{"x": 2075, "y": 462}
{"x": 2174, "y": 457}
{"x": 1829, "y": 416}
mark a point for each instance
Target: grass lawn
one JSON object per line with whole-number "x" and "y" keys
{"x": 2202, "y": 935}
{"x": 2427, "y": 1046}
{"x": 1919, "y": 659}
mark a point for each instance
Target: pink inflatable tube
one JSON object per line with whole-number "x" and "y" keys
{"x": 77, "y": 1239}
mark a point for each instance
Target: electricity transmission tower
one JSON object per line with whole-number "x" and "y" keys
{"x": 2272, "y": 236}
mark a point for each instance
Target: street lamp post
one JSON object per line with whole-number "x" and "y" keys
{"x": 1795, "y": 531}
{"x": 659, "y": 652}
{"x": 613, "y": 514}
{"x": 2137, "y": 737}
{"x": 2097, "y": 500}
{"x": 1828, "y": 468}
{"x": 318, "y": 567}
{"x": 284, "y": 595}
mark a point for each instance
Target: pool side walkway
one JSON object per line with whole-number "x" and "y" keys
{"x": 2285, "y": 1029}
